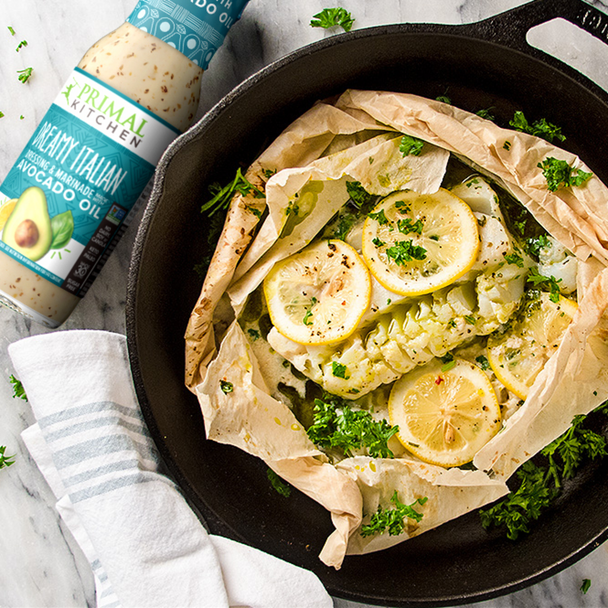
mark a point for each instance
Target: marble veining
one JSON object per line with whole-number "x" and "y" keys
{"x": 40, "y": 563}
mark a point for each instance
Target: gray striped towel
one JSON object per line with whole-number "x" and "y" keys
{"x": 145, "y": 545}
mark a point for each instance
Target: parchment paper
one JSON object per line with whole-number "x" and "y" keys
{"x": 356, "y": 138}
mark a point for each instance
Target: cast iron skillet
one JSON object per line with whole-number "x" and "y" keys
{"x": 487, "y": 64}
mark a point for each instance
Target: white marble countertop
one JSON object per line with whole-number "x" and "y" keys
{"x": 40, "y": 563}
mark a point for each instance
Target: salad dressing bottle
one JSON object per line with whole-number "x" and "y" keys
{"x": 73, "y": 189}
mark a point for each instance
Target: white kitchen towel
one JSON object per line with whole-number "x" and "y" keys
{"x": 145, "y": 545}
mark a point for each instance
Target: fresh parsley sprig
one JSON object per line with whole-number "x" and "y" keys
{"x": 331, "y": 17}
{"x": 25, "y": 75}
{"x": 359, "y": 196}
{"x": 338, "y": 426}
{"x": 539, "y": 128}
{"x": 405, "y": 251}
{"x": 18, "y": 390}
{"x": 540, "y": 484}
{"x": 550, "y": 284}
{"x": 223, "y": 195}
{"x": 393, "y": 520}
{"x": 410, "y": 146}
{"x": 5, "y": 461}
{"x": 559, "y": 173}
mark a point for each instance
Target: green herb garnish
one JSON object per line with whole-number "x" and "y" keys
{"x": 586, "y": 584}
{"x": 485, "y": 114}
{"x": 25, "y": 74}
{"x": 380, "y": 217}
{"x": 283, "y": 488}
{"x": 21, "y": 45}
{"x": 405, "y": 251}
{"x": 11, "y": 30}
{"x": 444, "y": 99}
{"x": 533, "y": 245}
{"x": 560, "y": 173}
{"x": 336, "y": 425}
{"x": 410, "y": 146}
{"x": 550, "y": 284}
{"x": 406, "y": 226}
{"x": 339, "y": 370}
{"x": 393, "y": 520}
{"x": 377, "y": 242}
{"x": 5, "y": 461}
{"x": 539, "y": 128}
{"x": 331, "y": 17}
{"x": 483, "y": 362}
{"x": 359, "y": 196}
{"x": 507, "y": 145}
{"x": 223, "y": 195}
{"x": 541, "y": 483}
{"x": 227, "y": 387}
{"x": 514, "y": 258}
{"x": 254, "y": 334}
{"x": 18, "y": 390}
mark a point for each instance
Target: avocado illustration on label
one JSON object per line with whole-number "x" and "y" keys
{"x": 28, "y": 229}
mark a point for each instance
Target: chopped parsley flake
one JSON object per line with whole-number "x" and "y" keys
{"x": 539, "y": 128}
{"x": 25, "y": 75}
{"x": 514, "y": 258}
{"x": 5, "y": 461}
{"x": 392, "y": 520}
{"x": 410, "y": 146}
{"x": 380, "y": 217}
{"x": 470, "y": 319}
{"x": 223, "y": 195}
{"x": 330, "y": 17}
{"x": 377, "y": 242}
{"x": 227, "y": 387}
{"x": 306, "y": 320}
{"x": 550, "y": 283}
{"x": 444, "y": 99}
{"x": 406, "y": 226}
{"x": 559, "y": 173}
{"x": 21, "y": 45}
{"x": 586, "y": 584}
{"x": 483, "y": 362}
{"x": 11, "y": 30}
{"x": 359, "y": 196}
{"x": 485, "y": 114}
{"x": 254, "y": 333}
{"x": 18, "y": 390}
{"x": 339, "y": 370}
{"x": 405, "y": 251}
{"x": 507, "y": 145}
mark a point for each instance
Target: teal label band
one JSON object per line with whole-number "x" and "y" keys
{"x": 196, "y": 28}
{"x": 77, "y": 180}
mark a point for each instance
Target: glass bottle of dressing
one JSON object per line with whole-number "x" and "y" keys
{"x": 73, "y": 188}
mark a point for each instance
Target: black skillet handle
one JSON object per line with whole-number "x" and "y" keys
{"x": 510, "y": 28}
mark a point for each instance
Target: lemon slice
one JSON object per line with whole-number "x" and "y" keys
{"x": 417, "y": 243}
{"x": 445, "y": 417}
{"x": 318, "y": 295}
{"x": 5, "y": 211}
{"x": 518, "y": 355}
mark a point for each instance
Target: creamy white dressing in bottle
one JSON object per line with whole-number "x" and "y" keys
{"x": 72, "y": 190}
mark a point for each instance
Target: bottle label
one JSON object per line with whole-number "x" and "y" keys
{"x": 196, "y": 28}
{"x": 77, "y": 179}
